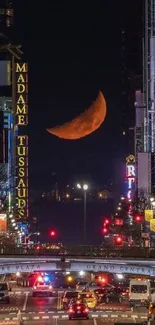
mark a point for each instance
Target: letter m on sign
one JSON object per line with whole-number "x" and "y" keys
{"x": 21, "y": 67}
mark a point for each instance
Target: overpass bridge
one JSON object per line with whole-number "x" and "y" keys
{"x": 76, "y": 266}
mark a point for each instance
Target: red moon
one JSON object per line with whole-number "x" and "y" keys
{"x": 85, "y": 124}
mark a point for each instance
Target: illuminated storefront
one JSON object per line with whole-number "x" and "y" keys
{"x": 21, "y": 114}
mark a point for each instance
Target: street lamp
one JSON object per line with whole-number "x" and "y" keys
{"x": 84, "y": 187}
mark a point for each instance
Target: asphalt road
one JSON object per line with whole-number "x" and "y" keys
{"x": 22, "y": 299}
{"x": 48, "y": 310}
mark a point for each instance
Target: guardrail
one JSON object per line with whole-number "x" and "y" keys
{"x": 83, "y": 251}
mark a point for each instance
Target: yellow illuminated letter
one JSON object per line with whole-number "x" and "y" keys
{"x": 21, "y": 79}
{"x": 21, "y": 68}
{"x": 21, "y": 161}
{"x": 20, "y": 88}
{"x": 21, "y": 203}
{"x": 21, "y": 100}
{"x": 21, "y": 139}
{"x": 21, "y": 120}
{"x": 21, "y": 172}
{"x": 21, "y": 109}
{"x": 21, "y": 192}
{"x": 21, "y": 183}
{"x": 21, "y": 151}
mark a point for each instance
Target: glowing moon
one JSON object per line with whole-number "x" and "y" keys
{"x": 85, "y": 124}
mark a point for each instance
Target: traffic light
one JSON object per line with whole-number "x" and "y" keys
{"x": 52, "y": 233}
{"x": 118, "y": 240}
{"x": 138, "y": 218}
{"x": 105, "y": 231}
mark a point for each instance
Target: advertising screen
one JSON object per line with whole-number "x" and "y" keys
{"x": 3, "y": 223}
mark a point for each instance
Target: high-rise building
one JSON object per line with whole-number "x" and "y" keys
{"x": 14, "y": 119}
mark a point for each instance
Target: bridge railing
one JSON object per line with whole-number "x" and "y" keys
{"x": 87, "y": 251}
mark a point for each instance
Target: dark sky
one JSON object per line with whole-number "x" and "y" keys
{"x": 73, "y": 49}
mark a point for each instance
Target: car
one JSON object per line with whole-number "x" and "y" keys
{"x": 100, "y": 293}
{"x": 42, "y": 288}
{"x": 4, "y": 292}
{"x": 111, "y": 295}
{"x": 81, "y": 285}
{"x": 67, "y": 297}
{"x": 89, "y": 297}
{"x": 78, "y": 310}
{"x": 93, "y": 286}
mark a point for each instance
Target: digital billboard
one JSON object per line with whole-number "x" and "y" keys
{"x": 21, "y": 113}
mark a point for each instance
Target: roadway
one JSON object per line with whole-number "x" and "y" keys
{"x": 44, "y": 310}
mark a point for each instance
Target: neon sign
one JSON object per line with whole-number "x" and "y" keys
{"x": 130, "y": 176}
{"x": 21, "y": 72}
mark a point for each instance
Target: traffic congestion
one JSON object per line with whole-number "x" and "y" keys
{"x": 78, "y": 297}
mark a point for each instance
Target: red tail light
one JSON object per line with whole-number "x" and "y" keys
{"x": 71, "y": 310}
{"x": 78, "y": 307}
{"x": 86, "y": 310}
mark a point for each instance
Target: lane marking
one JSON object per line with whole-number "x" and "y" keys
{"x": 25, "y": 301}
{"x": 94, "y": 321}
{"x": 59, "y": 305}
{"x": 45, "y": 317}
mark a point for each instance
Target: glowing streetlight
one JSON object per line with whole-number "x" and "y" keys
{"x": 82, "y": 273}
{"x": 84, "y": 187}
{"x": 18, "y": 274}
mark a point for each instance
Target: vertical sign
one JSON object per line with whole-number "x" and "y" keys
{"x": 21, "y": 112}
{"x": 130, "y": 176}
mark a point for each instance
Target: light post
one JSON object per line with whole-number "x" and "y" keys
{"x": 84, "y": 187}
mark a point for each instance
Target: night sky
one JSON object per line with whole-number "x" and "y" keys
{"x": 73, "y": 49}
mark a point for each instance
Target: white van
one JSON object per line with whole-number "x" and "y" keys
{"x": 139, "y": 293}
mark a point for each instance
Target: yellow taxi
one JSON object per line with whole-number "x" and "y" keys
{"x": 151, "y": 311}
{"x": 89, "y": 298}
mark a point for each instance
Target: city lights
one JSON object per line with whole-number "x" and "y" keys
{"x": 82, "y": 273}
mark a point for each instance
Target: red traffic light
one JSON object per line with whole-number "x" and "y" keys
{"x": 118, "y": 240}
{"x": 138, "y": 218}
{"x": 105, "y": 231}
{"x": 106, "y": 221}
{"x": 52, "y": 233}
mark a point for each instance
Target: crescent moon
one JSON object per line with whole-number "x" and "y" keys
{"x": 85, "y": 124}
